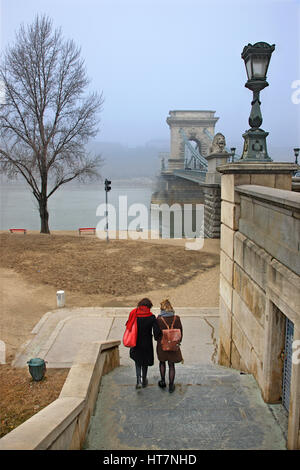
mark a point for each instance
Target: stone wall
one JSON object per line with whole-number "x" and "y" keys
{"x": 212, "y": 211}
{"x": 174, "y": 190}
{"x": 260, "y": 283}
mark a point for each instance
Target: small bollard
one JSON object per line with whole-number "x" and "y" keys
{"x": 60, "y": 297}
{"x": 2, "y": 353}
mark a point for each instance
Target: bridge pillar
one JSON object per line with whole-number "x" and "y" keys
{"x": 212, "y": 195}
{"x": 212, "y": 210}
{"x": 172, "y": 189}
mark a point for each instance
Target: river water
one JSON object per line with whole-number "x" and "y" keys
{"x": 70, "y": 207}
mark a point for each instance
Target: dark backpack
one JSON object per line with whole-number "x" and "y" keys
{"x": 171, "y": 337}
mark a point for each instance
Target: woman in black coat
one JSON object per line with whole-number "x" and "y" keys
{"x": 142, "y": 353}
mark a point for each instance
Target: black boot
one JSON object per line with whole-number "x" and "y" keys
{"x": 162, "y": 370}
{"x": 144, "y": 379}
{"x": 138, "y": 382}
{"x": 162, "y": 383}
{"x": 144, "y": 382}
{"x": 138, "y": 377}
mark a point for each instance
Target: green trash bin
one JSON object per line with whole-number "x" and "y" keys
{"x": 37, "y": 368}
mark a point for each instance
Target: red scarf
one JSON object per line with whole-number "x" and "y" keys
{"x": 140, "y": 312}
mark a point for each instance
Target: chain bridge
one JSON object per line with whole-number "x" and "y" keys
{"x": 189, "y": 176}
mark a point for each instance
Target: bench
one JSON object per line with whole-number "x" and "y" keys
{"x": 87, "y": 229}
{"x": 18, "y": 230}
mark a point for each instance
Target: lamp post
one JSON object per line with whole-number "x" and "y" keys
{"x": 257, "y": 58}
{"x": 232, "y": 150}
{"x": 296, "y": 152}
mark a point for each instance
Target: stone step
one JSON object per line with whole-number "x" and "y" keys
{"x": 192, "y": 375}
{"x": 212, "y": 407}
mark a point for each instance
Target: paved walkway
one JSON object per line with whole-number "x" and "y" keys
{"x": 60, "y": 333}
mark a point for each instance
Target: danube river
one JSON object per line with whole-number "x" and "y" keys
{"x": 70, "y": 207}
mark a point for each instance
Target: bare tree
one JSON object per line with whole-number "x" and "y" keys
{"x": 46, "y": 119}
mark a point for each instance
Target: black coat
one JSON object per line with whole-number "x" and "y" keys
{"x": 142, "y": 353}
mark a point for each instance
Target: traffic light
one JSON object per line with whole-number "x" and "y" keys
{"x": 107, "y": 185}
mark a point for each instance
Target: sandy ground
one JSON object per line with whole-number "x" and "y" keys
{"x": 28, "y": 289}
{"x": 22, "y": 397}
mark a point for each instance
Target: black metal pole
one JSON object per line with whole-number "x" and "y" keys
{"x": 107, "y": 239}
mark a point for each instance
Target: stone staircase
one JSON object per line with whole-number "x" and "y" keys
{"x": 213, "y": 407}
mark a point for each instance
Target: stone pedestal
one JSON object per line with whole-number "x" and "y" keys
{"x": 214, "y": 160}
{"x": 255, "y": 146}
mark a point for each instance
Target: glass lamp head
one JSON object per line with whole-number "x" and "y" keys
{"x": 257, "y": 58}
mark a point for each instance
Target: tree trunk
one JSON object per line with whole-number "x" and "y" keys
{"x": 44, "y": 215}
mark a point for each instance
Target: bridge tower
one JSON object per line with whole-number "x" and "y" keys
{"x": 198, "y": 126}
{"x": 189, "y": 176}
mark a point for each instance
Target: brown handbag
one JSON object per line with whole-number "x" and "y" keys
{"x": 171, "y": 337}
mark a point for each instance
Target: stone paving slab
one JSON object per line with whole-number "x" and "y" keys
{"x": 70, "y": 334}
{"x": 212, "y": 408}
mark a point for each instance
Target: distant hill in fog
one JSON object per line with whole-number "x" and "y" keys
{"x": 124, "y": 162}
{"x": 141, "y": 164}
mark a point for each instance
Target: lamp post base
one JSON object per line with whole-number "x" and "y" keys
{"x": 255, "y": 146}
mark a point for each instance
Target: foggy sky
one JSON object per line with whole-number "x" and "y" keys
{"x": 152, "y": 56}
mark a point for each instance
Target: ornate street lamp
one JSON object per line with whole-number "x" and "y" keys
{"x": 257, "y": 58}
{"x": 296, "y": 153}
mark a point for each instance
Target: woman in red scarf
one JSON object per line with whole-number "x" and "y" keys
{"x": 142, "y": 353}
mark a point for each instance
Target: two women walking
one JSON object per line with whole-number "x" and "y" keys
{"x": 142, "y": 353}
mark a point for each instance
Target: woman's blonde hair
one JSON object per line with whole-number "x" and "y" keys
{"x": 166, "y": 305}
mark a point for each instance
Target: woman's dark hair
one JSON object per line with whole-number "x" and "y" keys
{"x": 146, "y": 302}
